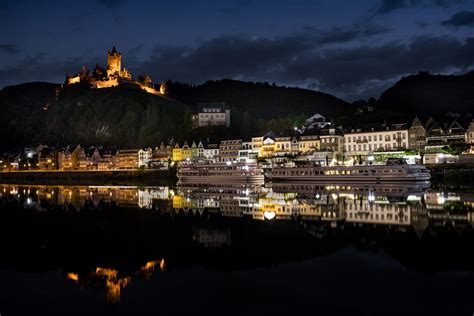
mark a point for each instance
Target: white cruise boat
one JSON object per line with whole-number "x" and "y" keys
{"x": 394, "y": 170}
{"x": 221, "y": 173}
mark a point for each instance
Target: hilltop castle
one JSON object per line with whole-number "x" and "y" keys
{"x": 113, "y": 76}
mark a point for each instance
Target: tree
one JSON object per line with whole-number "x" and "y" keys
{"x": 455, "y": 149}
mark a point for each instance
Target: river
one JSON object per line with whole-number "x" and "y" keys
{"x": 393, "y": 249}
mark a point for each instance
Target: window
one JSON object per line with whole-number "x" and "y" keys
{"x": 380, "y": 137}
{"x": 370, "y": 138}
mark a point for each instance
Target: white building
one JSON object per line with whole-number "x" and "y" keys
{"x": 331, "y": 139}
{"x": 247, "y": 151}
{"x": 212, "y": 114}
{"x": 316, "y": 121}
{"x": 211, "y": 152}
{"x": 470, "y": 134}
{"x": 144, "y": 156}
{"x": 358, "y": 142}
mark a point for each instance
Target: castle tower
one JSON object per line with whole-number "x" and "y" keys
{"x": 114, "y": 62}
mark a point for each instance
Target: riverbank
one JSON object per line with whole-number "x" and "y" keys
{"x": 114, "y": 177}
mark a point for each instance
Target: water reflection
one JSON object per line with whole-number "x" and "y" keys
{"x": 106, "y": 236}
{"x": 394, "y": 204}
{"x": 113, "y": 280}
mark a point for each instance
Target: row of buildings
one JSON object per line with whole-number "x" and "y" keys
{"x": 319, "y": 141}
{"x": 72, "y": 158}
{"x": 322, "y": 141}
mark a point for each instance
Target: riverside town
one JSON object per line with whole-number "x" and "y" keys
{"x": 237, "y": 157}
{"x": 317, "y": 140}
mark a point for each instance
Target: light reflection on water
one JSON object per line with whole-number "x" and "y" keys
{"x": 202, "y": 220}
{"x": 384, "y": 204}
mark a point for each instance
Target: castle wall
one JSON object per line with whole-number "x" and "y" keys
{"x": 72, "y": 80}
{"x": 148, "y": 89}
{"x": 105, "y": 84}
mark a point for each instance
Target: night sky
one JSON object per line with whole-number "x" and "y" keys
{"x": 352, "y": 49}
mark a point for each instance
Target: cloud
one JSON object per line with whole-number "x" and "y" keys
{"x": 9, "y": 49}
{"x": 238, "y": 56}
{"x": 463, "y": 18}
{"x": 349, "y": 72}
{"x": 388, "y": 6}
{"x": 110, "y": 3}
{"x": 343, "y": 61}
{"x": 357, "y": 71}
{"x": 350, "y": 33}
{"x": 38, "y": 67}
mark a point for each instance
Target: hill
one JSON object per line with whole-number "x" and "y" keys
{"x": 126, "y": 116}
{"x": 122, "y": 116}
{"x": 434, "y": 94}
{"x": 442, "y": 97}
{"x": 261, "y": 99}
{"x": 22, "y": 111}
{"x": 257, "y": 107}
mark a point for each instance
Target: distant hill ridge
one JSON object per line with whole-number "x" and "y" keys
{"x": 432, "y": 94}
{"x": 262, "y": 99}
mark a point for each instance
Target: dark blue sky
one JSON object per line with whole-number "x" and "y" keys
{"x": 352, "y": 49}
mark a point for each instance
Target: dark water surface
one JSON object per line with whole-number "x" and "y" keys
{"x": 285, "y": 249}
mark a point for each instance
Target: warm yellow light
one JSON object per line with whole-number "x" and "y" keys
{"x": 269, "y": 215}
{"x": 109, "y": 273}
{"x": 73, "y": 276}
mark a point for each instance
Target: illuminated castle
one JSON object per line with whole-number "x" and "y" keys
{"x": 113, "y": 76}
